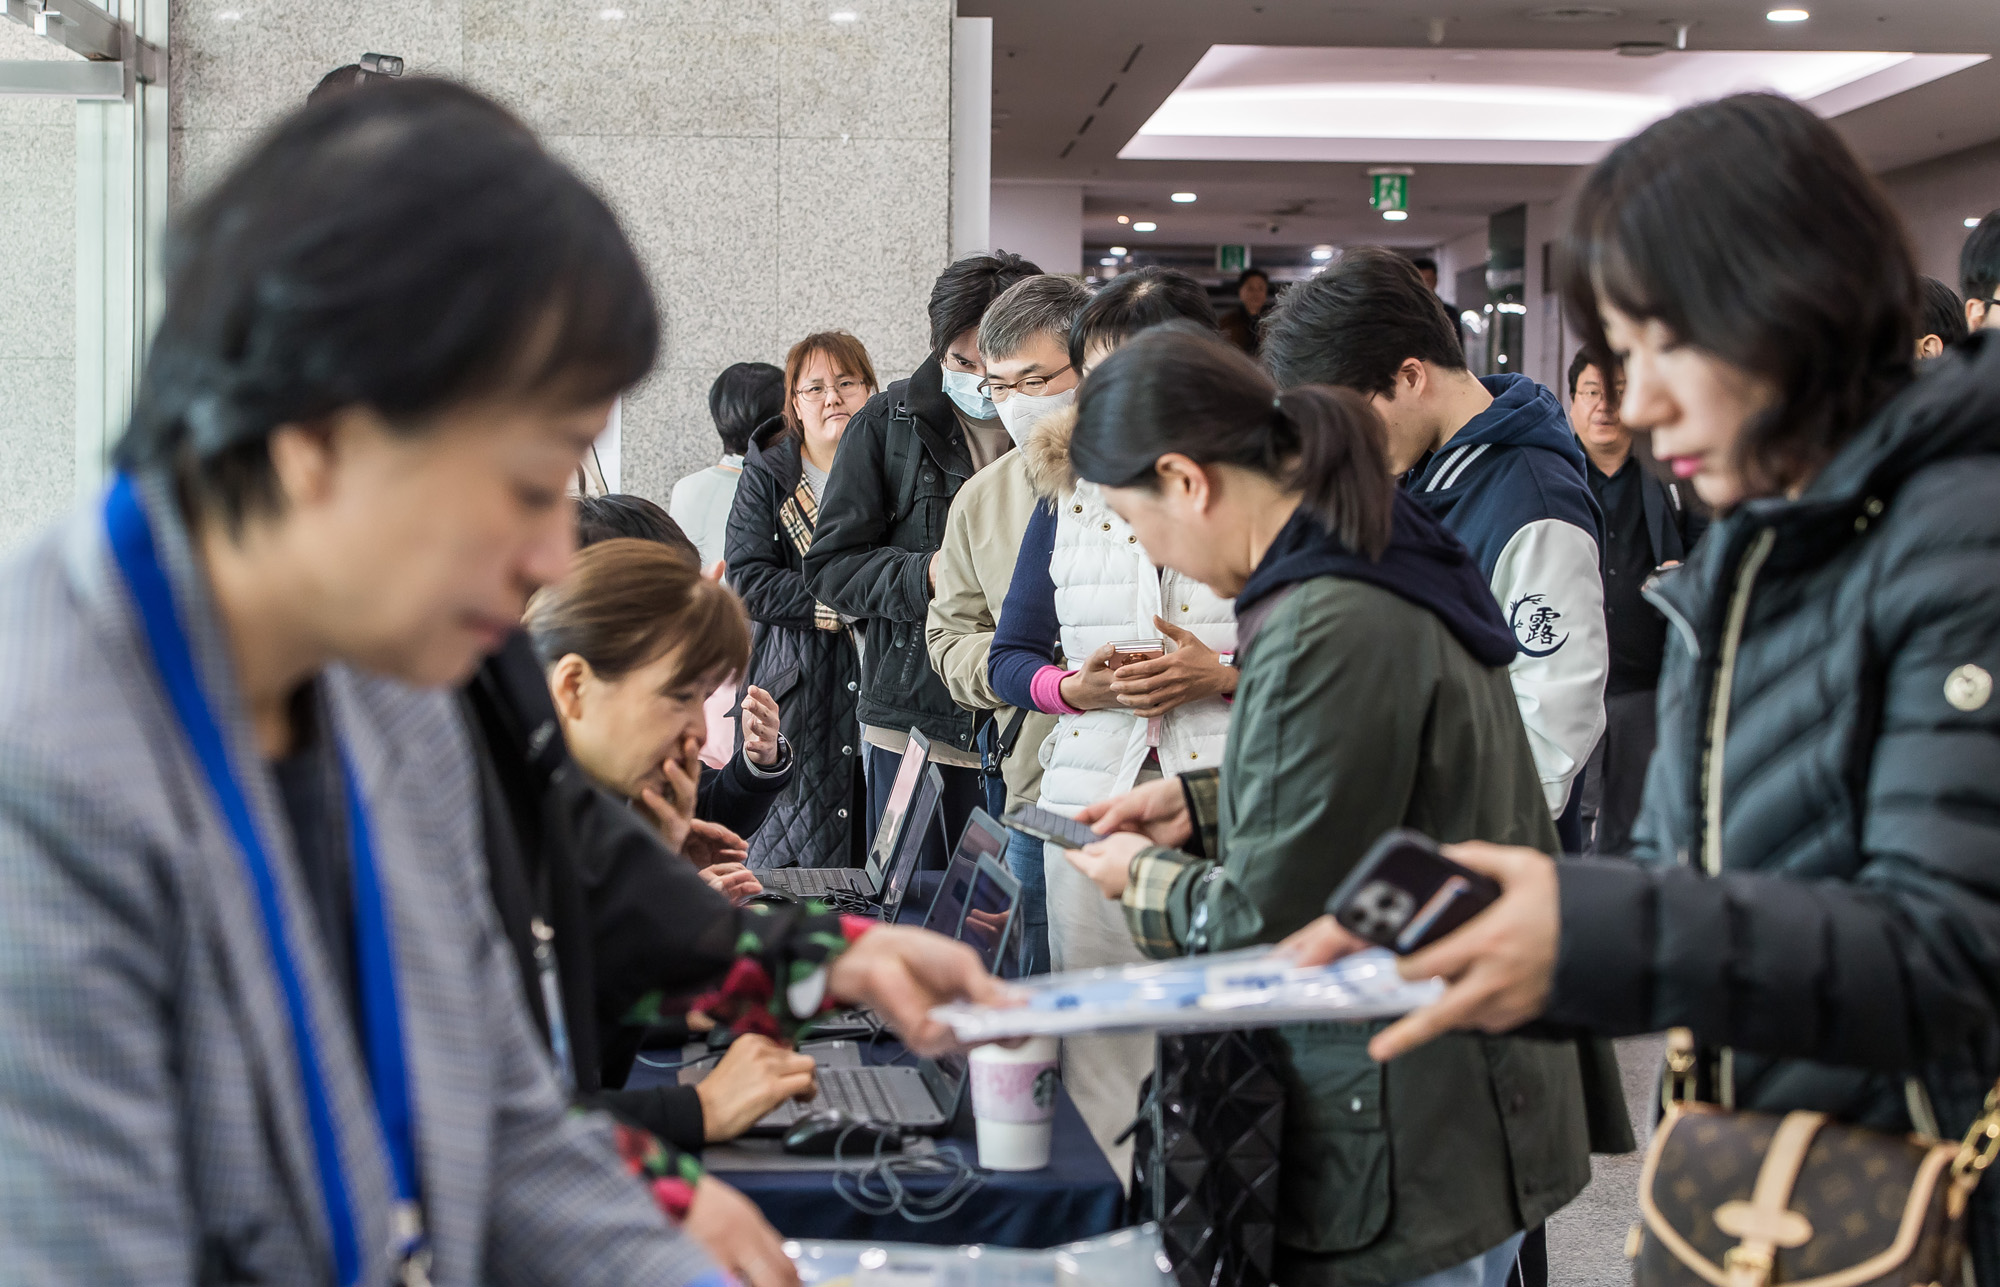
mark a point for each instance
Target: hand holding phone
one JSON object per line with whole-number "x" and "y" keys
{"x": 1404, "y": 895}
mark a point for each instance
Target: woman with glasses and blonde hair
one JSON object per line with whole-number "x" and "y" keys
{"x": 802, "y": 653}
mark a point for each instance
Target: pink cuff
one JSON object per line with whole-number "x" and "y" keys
{"x": 1046, "y": 689}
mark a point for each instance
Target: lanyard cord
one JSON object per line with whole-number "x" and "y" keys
{"x": 133, "y": 547}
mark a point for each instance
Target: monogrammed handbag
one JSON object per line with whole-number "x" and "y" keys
{"x": 1747, "y": 1199}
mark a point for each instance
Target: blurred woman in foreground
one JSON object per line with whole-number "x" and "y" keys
{"x": 1817, "y": 894}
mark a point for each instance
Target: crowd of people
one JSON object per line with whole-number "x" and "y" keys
{"x": 370, "y": 801}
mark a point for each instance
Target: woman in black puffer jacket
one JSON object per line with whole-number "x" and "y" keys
{"x": 1817, "y": 894}
{"x": 802, "y": 653}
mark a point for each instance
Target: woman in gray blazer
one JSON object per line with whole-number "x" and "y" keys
{"x": 256, "y": 1021}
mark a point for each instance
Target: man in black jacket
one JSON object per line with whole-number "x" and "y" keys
{"x": 881, "y": 522}
{"x": 1648, "y": 524}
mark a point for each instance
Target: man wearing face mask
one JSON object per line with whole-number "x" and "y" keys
{"x": 874, "y": 552}
{"x": 1025, "y": 342}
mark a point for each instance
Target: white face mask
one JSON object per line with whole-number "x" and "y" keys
{"x": 1021, "y": 413}
{"x": 962, "y": 387}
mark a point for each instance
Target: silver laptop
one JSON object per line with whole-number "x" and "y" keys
{"x": 898, "y": 813}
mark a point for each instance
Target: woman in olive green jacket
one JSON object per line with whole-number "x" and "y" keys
{"x": 1374, "y": 695}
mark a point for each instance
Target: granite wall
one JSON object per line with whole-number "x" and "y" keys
{"x": 37, "y": 298}
{"x": 782, "y": 165}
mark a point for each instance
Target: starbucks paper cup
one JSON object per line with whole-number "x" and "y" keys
{"x": 1014, "y": 1103}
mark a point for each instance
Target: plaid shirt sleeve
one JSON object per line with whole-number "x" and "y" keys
{"x": 1203, "y": 791}
{"x": 1149, "y": 898}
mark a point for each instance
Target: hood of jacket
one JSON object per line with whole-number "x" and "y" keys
{"x": 777, "y": 455}
{"x": 1523, "y": 414}
{"x": 1424, "y": 564}
{"x": 1046, "y": 454}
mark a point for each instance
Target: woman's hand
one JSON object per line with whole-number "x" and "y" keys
{"x": 1192, "y": 671}
{"x": 709, "y": 844}
{"x": 1157, "y": 811}
{"x": 737, "y": 1237}
{"x": 1108, "y": 863}
{"x": 1499, "y": 965}
{"x": 902, "y": 972}
{"x": 732, "y": 880}
{"x": 1089, "y": 689}
{"x": 756, "y": 1075}
{"x": 673, "y": 808}
{"x": 760, "y": 727}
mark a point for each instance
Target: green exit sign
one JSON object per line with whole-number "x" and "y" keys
{"x": 1392, "y": 192}
{"x": 1232, "y": 259}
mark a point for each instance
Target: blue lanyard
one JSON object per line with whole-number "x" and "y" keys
{"x": 375, "y": 963}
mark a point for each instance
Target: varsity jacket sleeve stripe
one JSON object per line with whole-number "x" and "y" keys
{"x": 1548, "y": 586}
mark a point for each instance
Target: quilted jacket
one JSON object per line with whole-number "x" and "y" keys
{"x": 1818, "y": 895}
{"x": 813, "y": 674}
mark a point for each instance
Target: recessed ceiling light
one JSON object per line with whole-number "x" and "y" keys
{"x": 1395, "y": 216}
{"x": 1183, "y": 197}
{"x": 1120, "y": 250}
{"x": 1145, "y": 226}
{"x": 1787, "y": 15}
{"x": 1972, "y": 221}
{"x": 1109, "y": 261}
{"x": 1322, "y": 252}
{"x": 843, "y": 15}
{"x": 1513, "y": 106}
{"x": 1124, "y": 218}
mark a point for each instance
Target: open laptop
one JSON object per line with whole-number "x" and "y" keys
{"x": 897, "y": 814}
{"x": 978, "y": 894}
{"x": 923, "y": 1098}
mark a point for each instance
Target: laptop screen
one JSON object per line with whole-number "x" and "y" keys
{"x": 983, "y": 837}
{"x": 916, "y": 827}
{"x": 989, "y": 913}
{"x": 896, "y": 808}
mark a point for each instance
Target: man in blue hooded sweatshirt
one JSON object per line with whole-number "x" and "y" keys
{"x": 1494, "y": 460}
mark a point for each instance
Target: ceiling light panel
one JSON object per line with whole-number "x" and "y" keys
{"x": 1522, "y": 106}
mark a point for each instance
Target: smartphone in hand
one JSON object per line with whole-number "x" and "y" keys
{"x": 1405, "y": 895}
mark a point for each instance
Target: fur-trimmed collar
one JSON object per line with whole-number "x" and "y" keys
{"x": 1047, "y": 455}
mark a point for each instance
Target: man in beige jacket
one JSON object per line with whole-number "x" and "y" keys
{"x": 1024, "y": 338}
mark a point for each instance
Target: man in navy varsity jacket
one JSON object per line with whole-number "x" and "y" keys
{"x": 1494, "y": 459}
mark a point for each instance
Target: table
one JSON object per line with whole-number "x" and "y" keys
{"x": 1076, "y": 1196}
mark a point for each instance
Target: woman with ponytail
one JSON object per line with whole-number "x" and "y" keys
{"x": 1374, "y": 694}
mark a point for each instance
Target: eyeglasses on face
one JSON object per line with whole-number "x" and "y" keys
{"x": 846, "y": 387}
{"x": 1032, "y": 386}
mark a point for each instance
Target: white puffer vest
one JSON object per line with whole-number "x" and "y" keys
{"x": 1108, "y": 591}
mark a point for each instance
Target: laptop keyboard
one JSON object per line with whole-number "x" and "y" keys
{"x": 815, "y": 880}
{"x": 858, "y": 1091}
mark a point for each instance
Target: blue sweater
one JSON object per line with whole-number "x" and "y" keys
{"x": 1029, "y": 635}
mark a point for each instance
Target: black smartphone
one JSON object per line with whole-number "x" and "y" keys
{"x": 1404, "y": 894}
{"x": 1052, "y": 828}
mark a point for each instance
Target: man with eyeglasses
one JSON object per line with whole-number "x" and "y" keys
{"x": 1979, "y": 275}
{"x": 1024, "y": 340}
{"x": 1649, "y": 523}
{"x": 902, "y": 459}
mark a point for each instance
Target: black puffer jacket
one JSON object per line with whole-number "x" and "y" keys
{"x": 1839, "y": 931}
{"x": 902, "y": 459}
{"x": 812, "y": 673}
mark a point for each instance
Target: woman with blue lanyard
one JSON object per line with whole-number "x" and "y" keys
{"x": 260, "y": 1023}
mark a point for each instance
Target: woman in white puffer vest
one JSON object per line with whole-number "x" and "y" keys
{"x": 1082, "y": 583}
